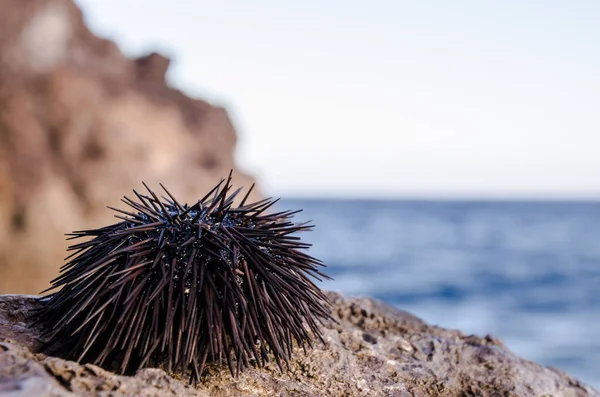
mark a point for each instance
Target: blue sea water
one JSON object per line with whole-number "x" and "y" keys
{"x": 527, "y": 272}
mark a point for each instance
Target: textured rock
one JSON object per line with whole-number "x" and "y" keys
{"x": 80, "y": 126}
{"x": 375, "y": 350}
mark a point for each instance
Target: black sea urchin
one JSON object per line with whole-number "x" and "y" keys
{"x": 182, "y": 285}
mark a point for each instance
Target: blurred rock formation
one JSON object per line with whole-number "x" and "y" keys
{"x": 81, "y": 125}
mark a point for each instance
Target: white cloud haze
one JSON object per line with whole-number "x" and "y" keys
{"x": 389, "y": 98}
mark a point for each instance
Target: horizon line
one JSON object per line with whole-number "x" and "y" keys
{"x": 435, "y": 196}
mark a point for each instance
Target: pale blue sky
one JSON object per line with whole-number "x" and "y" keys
{"x": 389, "y": 98}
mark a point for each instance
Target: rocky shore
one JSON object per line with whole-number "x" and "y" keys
{"x": 375, "y": 350}
{"x": 80, "y": 125}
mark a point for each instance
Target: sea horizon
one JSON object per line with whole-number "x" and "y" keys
{"x": 524, "y": 271}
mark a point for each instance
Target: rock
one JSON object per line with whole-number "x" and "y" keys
{"x": 81, "y": 125}
{"x": 401, "y": 356}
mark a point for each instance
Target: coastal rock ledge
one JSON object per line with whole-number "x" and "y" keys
{"x": 376, "y": 350}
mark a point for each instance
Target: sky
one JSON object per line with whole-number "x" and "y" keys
{"x": 469, "y": 99}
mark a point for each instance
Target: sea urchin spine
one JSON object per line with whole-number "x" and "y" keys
{"x": 183, "y": 285}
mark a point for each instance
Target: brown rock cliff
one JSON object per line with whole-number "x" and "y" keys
{"x": 81, "y": 125}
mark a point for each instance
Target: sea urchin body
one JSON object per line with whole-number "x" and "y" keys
{"x": 184, "y": 285}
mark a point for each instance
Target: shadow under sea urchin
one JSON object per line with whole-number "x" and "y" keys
{"x": 180, "y": 285}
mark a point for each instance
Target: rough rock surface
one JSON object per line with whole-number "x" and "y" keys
{"x": 375, "y": 350}
{"x": 81, "y": 125}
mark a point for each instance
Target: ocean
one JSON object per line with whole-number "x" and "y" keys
{"x": 526, "y": 272}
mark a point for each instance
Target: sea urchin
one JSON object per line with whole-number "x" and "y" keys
{"x": 180, "y": 286}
